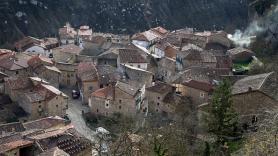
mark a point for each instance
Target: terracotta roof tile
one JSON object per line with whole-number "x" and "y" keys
{"x": 161, "y": 87}
{"x": 199, "y": 85}
{"x": 131, "y": 56}
{"x": 69, "y": 48}
{"x": 87, "y": 71}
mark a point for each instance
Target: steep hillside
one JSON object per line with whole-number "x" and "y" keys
{"x": 43, "y": 17}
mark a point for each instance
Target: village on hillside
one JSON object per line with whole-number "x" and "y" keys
{"x": 69, "y": 95}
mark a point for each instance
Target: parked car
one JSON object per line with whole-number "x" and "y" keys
{"x": 75, "y": 94}
{"x": 50, "y": 55}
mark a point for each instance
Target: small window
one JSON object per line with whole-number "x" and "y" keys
{"x": 138, "y": 66}
{"x": 120, "y": 107}
{"x": 202, "y": 95}
{"x": 120, "y": 101}
{"x": 40, "y": 106}
{"x": 107, "y": 104}
{"x": 40, "y": 102}
{"x": 101, "y": 86}
{"x": 57, "y": 106}
{"x": 158, "y": 98}
{"x": 90, "y": 88}
{"x": 156, "y": 110}
{"x": 57, "y": 98}
{"x": 97, "y": 110}
{"x": 158, "y": 104}
{"x": 16, "y": 72}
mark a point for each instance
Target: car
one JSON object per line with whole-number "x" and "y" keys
{"x": 50, "y": 55}
{"x": 75, "y": 94}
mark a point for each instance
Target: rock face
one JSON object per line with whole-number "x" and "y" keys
{"x": 43, "y": 17}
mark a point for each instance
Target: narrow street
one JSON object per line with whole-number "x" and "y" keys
{"x": 75, "y": 115}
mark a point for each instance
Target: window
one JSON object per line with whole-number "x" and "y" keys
{"x": 40, "y": 106}
{"x": 90, "y": 88}
{"x": 158, "y": 104}
{"x": 120, "y": 101}
{"x": 16, "y": 72}
{"x": 107, "y": 104}
{"x": 156, "y": 110}
{"x": 138, "y": 66}
{"x": 158, "y": 98}
{"x": 56, "y": 106}
{"x": 97, "y": 110}
{"x": 120, "y": 107}
{"x": 101, "y": 86}
{"x": 202, "y": 95}
{"x": 40, "y": 102}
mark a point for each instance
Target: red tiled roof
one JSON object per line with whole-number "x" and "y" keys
{"x": 39, "y": 60}
{"x": 16, "y": 83}
{"x": 131, "y": 56}
{"x": 161, "y": 87}
{"x": 199, "y": 85}
{"x": 87, "y": 71}
{"x": 44, "y": 123}
{"x": 26, "y": 41}
{"x": 15, "y": 144}
{"x": 69, "y": 48}
{"x": 102, "y": 93}
{"x": 161, "y": 31}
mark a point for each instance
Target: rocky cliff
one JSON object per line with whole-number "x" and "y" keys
{"x": 43, "y": 17}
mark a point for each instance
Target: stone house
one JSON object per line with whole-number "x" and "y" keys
{"x": 91, "y": 77}
{"x": 156, "y": 95}
{"x": 137, "y": 75}
{"x": 87, "y": 78}
{"x": 67, "y": 35}
{"x": 36, "y": 97}
{"x": 133, "y": 58}
{"x": 145, "y": 39}
{"x": 240, "y": 54}
{"x": 163, "y": 49}
{"x": 199, "y": 92}
{"x": 12, "y": 66}
{"x": 166, "y": 69}
{"x": 32, "y": 46}
{"x": 118, "y": 98}
{"x": 68, "y": 74}
{"x": 66, "y": 53}
{"x": 50, "y": 43}
{"x": 85, "y": 33}
{"x": 203, "y": 74}
{"x": 255, "y": 95}
{"x": 109, "y": 57}
{"x": 45, "y": 69}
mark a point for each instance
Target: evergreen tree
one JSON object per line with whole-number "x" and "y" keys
{"x": 223, "y": 120}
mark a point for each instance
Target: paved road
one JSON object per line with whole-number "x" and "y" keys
{"x": 75, "y": 114}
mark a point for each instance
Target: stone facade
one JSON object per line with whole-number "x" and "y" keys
{"x": 112, "y": 99}
{"x": 68, "y": 74}
{"x": 253, "y": 103}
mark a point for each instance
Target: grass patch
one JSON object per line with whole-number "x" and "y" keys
{"x": 235, "y": 145}
{"x": 241, "y": 66}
